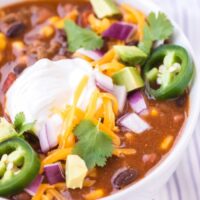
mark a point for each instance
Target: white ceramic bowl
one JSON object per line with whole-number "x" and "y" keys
{"x": 146, "y": 188}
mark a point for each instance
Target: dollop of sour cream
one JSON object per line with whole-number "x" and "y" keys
{"x": 48, "y": 85}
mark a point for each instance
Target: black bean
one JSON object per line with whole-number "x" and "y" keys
{"x": 33, "y": 141}
{"x": 18, "y": 69}
{"x": 124, "y": 177}
{"x": 180, "y": 102}
{"x": 15, "y": 29}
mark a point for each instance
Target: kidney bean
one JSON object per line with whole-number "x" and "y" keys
{"x": 124, "y": 177}
{"x": 22, "y": 196}
{"x": 33, "y": 141}
{"x": 15, "y": 29}
{"x": 8, "y": 82}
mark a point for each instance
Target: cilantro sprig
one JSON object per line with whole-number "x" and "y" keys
{"x": 78, "y": 37}
{"x": 20, "y": 124}
{"x": 17, "y": 129}
{"x": 94, "y": 146}
{"x": 158, "y": 27}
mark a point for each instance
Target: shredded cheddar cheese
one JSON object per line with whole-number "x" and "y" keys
{"x": 68, "y": 122}
{"x": 120, "y": 152}
{"x": 99, "y": 25}
{"x": 109, "y": 116}
{"x": 59, "y": 154}
{"x": 108, "y": 57}
{"x": 56, "y": 194}
{"x": 115, "y": 138}
{"x": 92, "y": 105}
{"x": 112, "y": 67}
{"x": 50, "y": 191}
{"x": 113, "y": 99}
{"x": 135, "y": 16}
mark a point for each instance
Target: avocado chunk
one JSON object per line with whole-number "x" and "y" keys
{"x": 76, "y": 171}
{"x": 105, "y": 8}
{"x": 6, "y": 130}
{"x": 128, "y": 77}
{"x": 130, "y": 55}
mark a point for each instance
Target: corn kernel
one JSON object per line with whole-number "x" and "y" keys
{"x": 54, "y": 19}
{"x": 72, "y": 15}
{"x": 129, "y": 137}
{"x": 18, "y": 45}
{"x": 92, "y": 173}
{"x": 154, "y": 112}
{"x": 3, "y": 42}
{"x": 93, "y": 195}
{"x": 122, "y": 152}
{"x": 60, "y": 24}
{"x": 167, "y": 142}
{"x": 47, "y": 31}
{"x": 89, "y": 183}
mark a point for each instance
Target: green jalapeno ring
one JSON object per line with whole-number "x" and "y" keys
{"x": 181, "y": 81}
{"x": 15, "y": 183}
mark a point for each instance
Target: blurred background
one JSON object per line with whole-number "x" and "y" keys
{"x": 185, "y": 182}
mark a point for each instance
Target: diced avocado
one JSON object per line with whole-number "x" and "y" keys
{"x": 2, "y": 169}
{"x": 76, "y": 171}
{"x": 105, "y": 8}
{"x": 129, "y": 77}
{"x": 152, "y": 74}
{"x": 130, "y": 55}
{"x": 6, "y": 130}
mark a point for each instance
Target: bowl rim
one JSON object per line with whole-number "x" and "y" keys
{"x": 188, "y": 129}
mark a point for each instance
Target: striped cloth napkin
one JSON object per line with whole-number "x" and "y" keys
{"x": 185, "y": 182}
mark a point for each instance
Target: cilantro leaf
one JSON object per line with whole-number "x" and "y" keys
{"x": 158, "y": 27}
{"x": 161, "y": 28}
{"x": 81, "y": 38}
{"x": 20, "y": 124}
{"x": 94, "y": 146}
{"x": 19, "y": 121}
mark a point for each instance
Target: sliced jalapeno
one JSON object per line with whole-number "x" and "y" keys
{"x": 19, "y": 165}
{"x": 168, "y": 72}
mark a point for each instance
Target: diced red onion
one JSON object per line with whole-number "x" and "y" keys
{"x": 120, "y": 31}
{"x": 103, "y": 82}
{"x": 44, "y": 144}
{"x": 120, "y": 93}
{"x": 33, "y": 187}
{"x": 94, "y": 55}
{"x": 53, "y": 127}
{"x": 137, "y": 102}
{"x": 54, "y": 173}
{"x": 48, "y": 136}
{"x": 134, "y": 123}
